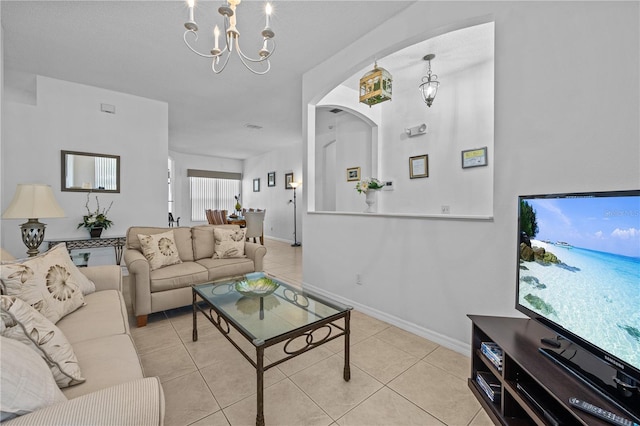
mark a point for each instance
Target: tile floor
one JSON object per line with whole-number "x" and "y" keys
{"x": 397, "y": 378}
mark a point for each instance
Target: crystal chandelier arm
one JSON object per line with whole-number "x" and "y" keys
{"x": 191, "y": 48}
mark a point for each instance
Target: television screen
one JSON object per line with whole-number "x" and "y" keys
{"x": 579, "y": 270}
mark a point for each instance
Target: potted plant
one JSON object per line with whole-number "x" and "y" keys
{"x": 238, "y": 206}
{"x": 368, "y": 184}
{"x": 369, "y": 187}
{"x": 97, "y": 220}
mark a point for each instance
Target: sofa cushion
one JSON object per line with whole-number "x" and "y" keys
{"x": 223, "y": 268}
{"x": 24, "y": 324}
{"x": 177, "y": 276}
{"x": 202, "y": 241}
{"x": 104, "y": 314}
{"x": 229, "y": 243}
{"x": 159, "y": 249}
{"x": 181, "y": 235}
{"x": 50, "y": 282}
{"x": 26, "y": 382}
{"x": 134, "y": 403}
{"x": 105, "y": 361}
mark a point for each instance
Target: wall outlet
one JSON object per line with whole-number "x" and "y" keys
{"x": 359, "y": 279}
{"x": 445, "y": 209}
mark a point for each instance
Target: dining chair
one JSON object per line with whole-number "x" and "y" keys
{"x": 209, "y": 214}
{"x": 255, "y": 225}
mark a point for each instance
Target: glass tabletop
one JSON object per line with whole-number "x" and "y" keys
{"x": 273, "y": 309}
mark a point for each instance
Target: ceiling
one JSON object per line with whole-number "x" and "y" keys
{"x": 136, "y": 47}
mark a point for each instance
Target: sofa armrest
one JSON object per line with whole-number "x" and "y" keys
{"x": 139, "y": 402}
{"x": 256, "y": 252}
{"x": 139, "y": 281}
{"x": 105, "y": 277}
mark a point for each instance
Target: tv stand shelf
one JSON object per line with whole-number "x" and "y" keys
{"x": 522, "y": 364}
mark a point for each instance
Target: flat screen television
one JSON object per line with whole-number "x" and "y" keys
{"x": 579, "y": 274}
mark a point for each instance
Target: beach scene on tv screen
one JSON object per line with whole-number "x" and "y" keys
{"x": 580, "y": 268}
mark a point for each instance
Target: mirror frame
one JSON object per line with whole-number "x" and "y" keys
{"x": 63, "y": 174}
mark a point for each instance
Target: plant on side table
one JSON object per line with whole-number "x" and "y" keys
{"x": 97, "y": 220}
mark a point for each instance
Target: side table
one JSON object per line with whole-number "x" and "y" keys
{"x": 82, "y": 243}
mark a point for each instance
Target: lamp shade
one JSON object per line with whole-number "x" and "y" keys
{"x": 33, "y": 201}
{"x": 294, "y": 184}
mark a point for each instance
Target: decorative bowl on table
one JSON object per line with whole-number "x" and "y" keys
{"x": 262, "y": 286}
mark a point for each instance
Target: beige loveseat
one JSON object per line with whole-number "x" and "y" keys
{"x": 115, "y": 391}
{"x": 170, "y": 286}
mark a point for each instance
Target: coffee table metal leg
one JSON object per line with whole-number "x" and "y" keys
{"x": 347, "y": 331}
{"x": 260, "y": 374}
{"x": 195, "y": 322}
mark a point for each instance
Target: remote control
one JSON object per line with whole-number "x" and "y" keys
{"x": 605, "y": 415}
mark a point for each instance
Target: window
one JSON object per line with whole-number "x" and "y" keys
{"x": 212, "y": 190}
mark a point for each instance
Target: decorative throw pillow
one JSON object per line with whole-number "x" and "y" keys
{"x": 50, "y": 282}
{"x": 160, "y": 249}
{"x": 23, "y": 323}
{"x": 26, "y": 382}
{"x": 229, "y": 242}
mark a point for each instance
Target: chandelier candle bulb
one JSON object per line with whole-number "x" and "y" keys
{"x": 216, "y": 36}
{"x": 267, "y": 11}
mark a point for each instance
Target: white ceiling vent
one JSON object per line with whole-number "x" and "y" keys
{"x": 109, "y": 109}
{"x": 252, "y": 126}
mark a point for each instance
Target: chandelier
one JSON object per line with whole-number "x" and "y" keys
{"x": 220, "y": 57}
{"x": 429, "y": 88}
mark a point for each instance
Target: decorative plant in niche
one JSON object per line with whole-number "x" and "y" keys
{"x": 97, "y": 218}
{"x": 238, "y": 206}
{"x": 368, "y": 184}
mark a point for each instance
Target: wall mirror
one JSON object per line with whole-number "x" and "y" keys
{"x": 88, "y": 172}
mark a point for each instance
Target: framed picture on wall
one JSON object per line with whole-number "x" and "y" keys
{"x": 256, "y": 185}
{"x": 288, "y": 178}
{"x": 474, "y": 157}
{"x": 419, "y": 166}
{"x": 271, "y": 179}
{"x": 353, "y": 173}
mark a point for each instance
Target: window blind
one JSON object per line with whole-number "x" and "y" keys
{"x": 212, "y": 193}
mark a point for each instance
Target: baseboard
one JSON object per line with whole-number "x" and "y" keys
{"x": 282, "y": 240}
{"x": 462, "y": 348}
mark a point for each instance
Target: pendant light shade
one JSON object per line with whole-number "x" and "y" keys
{"x": 430, "y": 83}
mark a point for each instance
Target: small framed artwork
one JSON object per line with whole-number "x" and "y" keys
{"x": 419, "y": 166}
{"x": 271, "y": 179}
{"x": 288, "y": 178}
{"x": 353, "y": 173}
{"x": 474, "y": 157}
{"x": 256, "y": 185}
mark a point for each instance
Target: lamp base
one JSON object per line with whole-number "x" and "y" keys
{"x": 296, "y": 244}
{"x": 32, "y": 235}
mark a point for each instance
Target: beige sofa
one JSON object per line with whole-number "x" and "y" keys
{"x": 115, "y": 391}
{"x": 170, "y": 286}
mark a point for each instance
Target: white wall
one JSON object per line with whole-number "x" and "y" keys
{"x": 183, "y": 162}
{"x": 67, "y": 116}
{"x": 460, "y": 118}
{"x": 278, "y": 222}
{"x": 552, "y": 134}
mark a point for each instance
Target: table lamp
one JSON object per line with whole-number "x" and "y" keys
{"x": 33, "y": 201}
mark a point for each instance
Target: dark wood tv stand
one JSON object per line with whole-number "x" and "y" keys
{"x": 519, "y": 339}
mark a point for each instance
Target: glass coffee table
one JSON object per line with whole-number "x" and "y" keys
{"x": 267, "y": 311}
